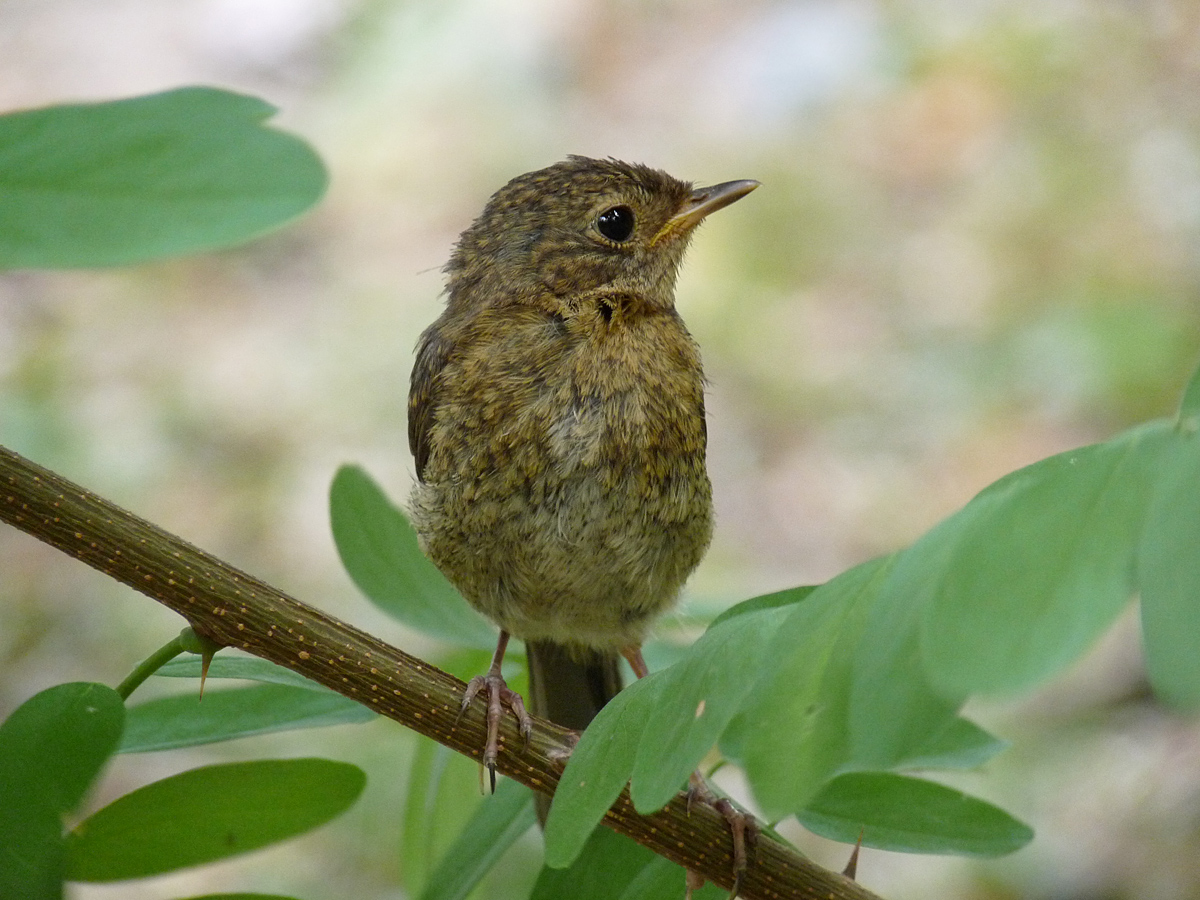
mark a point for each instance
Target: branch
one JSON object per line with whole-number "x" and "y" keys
{"x": 237, "y": 610}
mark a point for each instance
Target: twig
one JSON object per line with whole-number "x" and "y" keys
{"x": 237, "y": 610}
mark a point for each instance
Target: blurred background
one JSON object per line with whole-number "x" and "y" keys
{"x": 977, "y": 244}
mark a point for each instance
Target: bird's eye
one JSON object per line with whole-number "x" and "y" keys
{"x": 616, "y": 224}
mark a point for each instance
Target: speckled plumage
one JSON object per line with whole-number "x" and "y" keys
{"x": 556, "y": 416}
{"x": 557, "y": 411}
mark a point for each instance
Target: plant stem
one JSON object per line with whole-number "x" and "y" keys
{"x": 231, "y": 608}
{"x": 149, "y": 666}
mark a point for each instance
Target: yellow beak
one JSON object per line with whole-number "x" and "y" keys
{"x": 703, "y": 201}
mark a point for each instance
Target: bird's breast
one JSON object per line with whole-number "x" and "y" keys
{"x": 639, "y": 382}
{"x": 566, "y": 480}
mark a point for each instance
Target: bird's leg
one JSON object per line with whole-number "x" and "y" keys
{"x": 499, "y": 694}
{"x": 742, "y": 826}
{"x": 633, "y": 656}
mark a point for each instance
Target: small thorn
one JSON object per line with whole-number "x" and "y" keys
{"x": 206, "y": 648}
{"x": 851, "y": 869}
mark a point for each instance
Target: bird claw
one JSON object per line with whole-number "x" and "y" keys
{"x": 742, "y": 827}
{"x": 499, "y": 695}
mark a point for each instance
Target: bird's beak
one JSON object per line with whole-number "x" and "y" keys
{"x": 703, "y": 201}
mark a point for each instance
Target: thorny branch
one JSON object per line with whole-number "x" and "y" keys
{"x": 237, "y": 610}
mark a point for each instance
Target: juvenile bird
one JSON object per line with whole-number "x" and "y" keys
{"x": 556, "y": 417}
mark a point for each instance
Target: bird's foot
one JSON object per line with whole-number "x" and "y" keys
{"x": 499, "y": 695}
{"x": 743, "y": 829}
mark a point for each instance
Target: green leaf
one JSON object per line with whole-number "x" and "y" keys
{"x": 799, "y": 711}
{"x": 246, "y": 668}
{"x": 598, "y": 769}
{"x": 706, "y": 689}
{"x": 612, "y": 866}
{"x": 1040, "y": 564}
{"x": 188, "y": 721}
{"x": 102, "y": 184}
{"x": 498, "y": 823}
{"x": 895, "y": 812}
{"x": 1169, "y": 572}
{"x": 766, "y": 601}
{"x": 56, "y": 742}
{"x": 444, "y": 792}
{"x": 379, "y": 549}
{"x": 662, "y": 879}
{"x": 894, "y": 712}
{"x": 1189, "y": 409}
{"x": 242, "y": 897}
{"x": 52, "y": 748}
{"x": 605, "y": 867}
{"x": 960, "y": 745}
{"x": 657, "y": 654}
{"x": 208, "y": 814}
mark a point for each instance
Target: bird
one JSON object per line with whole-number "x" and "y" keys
{"x": 556, "y": 418}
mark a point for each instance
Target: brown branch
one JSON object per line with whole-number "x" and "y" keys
{"x": 238, "y": 610}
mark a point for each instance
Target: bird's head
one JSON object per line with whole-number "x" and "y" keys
{"x": 582, "y": 227}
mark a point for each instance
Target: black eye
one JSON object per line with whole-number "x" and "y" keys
{"x": 616, "y": 224}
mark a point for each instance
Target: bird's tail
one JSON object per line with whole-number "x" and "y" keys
{"x": 569, "y": 687}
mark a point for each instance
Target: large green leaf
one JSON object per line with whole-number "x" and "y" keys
{"x": 1038, "y": 567}
{"x": 1002, "y": 594}
{"x": 894, "y": 712}
{"x": 766, "y": 601}
{"x": 707, "y": 688}
{"x": 188, "y": 721}
{"x": 444, "y": 792}
{"x": 498, "y": 823}
{"x": 103, "y": 184}
{"x": 895, "y": 812}
{"x": 208, "y": 814}
{"x": 792, "y": 734}
{"x": 51, "y": 749}
{"x": 605, "y": 867}
{"x": 1169, "y": 569}
{"x": 961, "y": 744}
{"x": 379, "y": 549}
{"x": 598, "y": 769}
{"x": 612, "y": 866}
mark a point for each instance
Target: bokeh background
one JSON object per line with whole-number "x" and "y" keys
{"x": 977, "y": 243}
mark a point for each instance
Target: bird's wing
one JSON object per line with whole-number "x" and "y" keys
{"x": 433, "y": 352}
